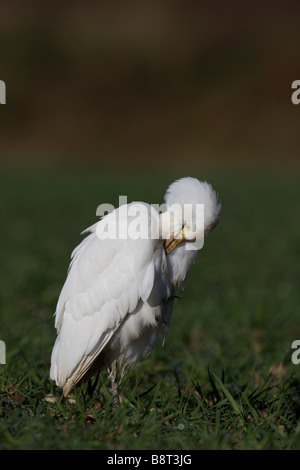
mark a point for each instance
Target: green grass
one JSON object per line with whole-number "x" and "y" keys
{"x": 223, "y": 380}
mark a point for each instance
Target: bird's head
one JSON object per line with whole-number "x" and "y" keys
{"x": 193, "y": 211}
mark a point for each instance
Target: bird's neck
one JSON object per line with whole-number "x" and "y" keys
{"x": 178, "y": 263}
{"x": 169, "y": 223}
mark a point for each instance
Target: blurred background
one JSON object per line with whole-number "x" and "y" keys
{"x": 187, "y": 84}
{"x": 109, "y": 98}
{"x": 120, "y": 98}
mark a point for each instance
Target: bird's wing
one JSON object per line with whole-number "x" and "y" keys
{"x": 105, "y": 282}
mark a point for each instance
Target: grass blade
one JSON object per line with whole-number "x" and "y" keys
{"x": 231, "y": 400}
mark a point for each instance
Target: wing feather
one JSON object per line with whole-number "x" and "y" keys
{"x": 105, "y": 282}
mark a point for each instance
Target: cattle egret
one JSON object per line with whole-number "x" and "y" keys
{"x": 119, "y": 292}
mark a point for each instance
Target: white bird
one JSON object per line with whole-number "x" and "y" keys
{"x": 119, "y": 292}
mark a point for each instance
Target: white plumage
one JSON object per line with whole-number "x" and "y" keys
{"x": 119, "y": 293}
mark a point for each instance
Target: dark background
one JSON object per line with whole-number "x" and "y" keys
{"x": 114, "y": 85}
{"x": 121, "y": 98}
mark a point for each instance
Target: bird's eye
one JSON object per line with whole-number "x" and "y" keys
{"x": 188, "y": 232}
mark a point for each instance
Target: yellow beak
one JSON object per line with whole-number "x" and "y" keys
{"x": 173, "y": 242}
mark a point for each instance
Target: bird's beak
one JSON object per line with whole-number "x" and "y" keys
{"x": 174, "y": 241}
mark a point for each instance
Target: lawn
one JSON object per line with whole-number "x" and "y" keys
{"x": 224, "y": 378}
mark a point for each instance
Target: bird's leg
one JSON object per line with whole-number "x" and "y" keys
{"x": 172, "y": 297}
{"x": 114, "y": 384}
